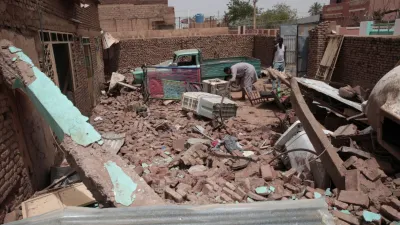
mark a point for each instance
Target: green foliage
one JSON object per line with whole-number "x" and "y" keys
{"x": 239, "y": 10}
{"x": 315, "y": 9}
{"x": 280, "y": 13}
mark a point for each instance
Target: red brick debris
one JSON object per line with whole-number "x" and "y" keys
{"x": 191, "y": 173}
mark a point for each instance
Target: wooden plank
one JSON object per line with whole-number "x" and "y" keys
{"x": 328, "y": 154}
{"x": 75, "y": 195}
{"x": 329, "y": 59}
{"x": 333, "y": 64}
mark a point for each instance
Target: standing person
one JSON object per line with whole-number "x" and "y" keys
{"x": 245, "y": 73}
{"x": 279, "y": 55}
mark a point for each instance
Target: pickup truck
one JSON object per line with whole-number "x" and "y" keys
{"x": 192, "y": 58}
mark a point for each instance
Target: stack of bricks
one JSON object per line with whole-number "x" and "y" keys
{"x": 135, "y": 53}
{"x": 263, "y": 49}
{"x": 365, "y": 60}
{"x": 318, "y": 39}
{"x": 15, "y": 185}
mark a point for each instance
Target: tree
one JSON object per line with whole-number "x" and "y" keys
{"x": 238, "y": 10}
{"x": 315, "y": 9}
{"x": 280, "y": 13}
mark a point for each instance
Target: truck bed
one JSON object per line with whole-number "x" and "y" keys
{"x": 214, "y": 68}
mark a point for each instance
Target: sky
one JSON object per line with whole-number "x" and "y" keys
{"x": 211, "y": 7}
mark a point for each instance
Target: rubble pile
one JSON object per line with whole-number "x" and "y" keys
{"x": 184, "y": 166}
{"x": 185, "y": 161}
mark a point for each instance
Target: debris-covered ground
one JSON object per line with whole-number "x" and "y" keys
{"x": 186, "y": 167}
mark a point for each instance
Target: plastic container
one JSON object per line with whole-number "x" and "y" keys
{"x": 215, "y": 86}
{"x": 199, "y": 18}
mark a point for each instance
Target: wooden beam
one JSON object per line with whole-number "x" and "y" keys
{"x": 328, "y": 154}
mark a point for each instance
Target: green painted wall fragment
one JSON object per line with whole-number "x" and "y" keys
{"x": 58, "y": 111}
{"x": 124, "y": 187}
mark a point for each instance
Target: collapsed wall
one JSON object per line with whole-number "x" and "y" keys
{"x": 70, "y": 127}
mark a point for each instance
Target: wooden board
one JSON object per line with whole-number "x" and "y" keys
{"x": 75, "y": 195}
{"x": 328, "y": 62}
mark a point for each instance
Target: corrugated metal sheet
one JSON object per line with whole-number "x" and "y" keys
{"x": 307, "y": 212}
{"x": 324, "y": 88}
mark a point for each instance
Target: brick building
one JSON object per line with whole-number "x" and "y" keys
{"x": 63, "y": 38}
{"x": 133, "y": 15}
{"x": 349, "y": 13}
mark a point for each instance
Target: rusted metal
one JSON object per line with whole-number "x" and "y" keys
{"x": 329, "y": 157}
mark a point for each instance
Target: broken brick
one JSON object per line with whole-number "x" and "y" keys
{"x": 148, "y": 179}
{"x": 397, "y": 181}
{"x": 199, "y": 185}
{"x": 232, "y": 194}
{"x": 395, "y": 203}
{"x": 241, "y": 192}
{"x": 192, "y": 197}
{"x": 295, "y": 181}
{"x": 291, "y": 188}
{"x": 350, "y": 161}
{"x": 169, "y": 192}
{"x": 310, "y": 189}
{"x": 340, "y": 205}
{"x": 309, "y": 195}
{"x": 226, "y": 197}
{"x": 372, "y": 174}
{"x": 256, "y": 182}
{"x": 309, "y": 183}
{"x": 380, "y": 192}
{"x": 352, "y": 180}
{"x": 183, "y": 186}
{"x": 359, "y": 164}
{"x": 288, "y": 174}
{"x": 390, "y": 213}
{"x": 354, "y": 197}
{"x": 182, "y": 192}
{"x": 207, "y": 189}
{"x": 211, "y": 182}
{"x": 230, "y": 186}
{"x": 267, "y": 172}
{"x": 179, "y": 144}
{"x": 256, "y": 197}
{"x": 346, "y": 217}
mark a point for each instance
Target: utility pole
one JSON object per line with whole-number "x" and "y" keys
{"x": 255, "y": 14}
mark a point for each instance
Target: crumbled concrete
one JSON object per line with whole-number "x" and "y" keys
{"x": 89, "y": 163}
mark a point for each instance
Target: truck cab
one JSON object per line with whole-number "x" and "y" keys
{"x": 188, "y": 58}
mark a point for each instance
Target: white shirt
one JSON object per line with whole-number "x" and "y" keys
{"x": 280, "y": 54}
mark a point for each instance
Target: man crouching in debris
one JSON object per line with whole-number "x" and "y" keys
{"x": 245, "y": 73}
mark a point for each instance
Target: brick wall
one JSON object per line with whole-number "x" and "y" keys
{"x": 365, "y": 60}
{"x": 317, "y": 44}
{"x": 135, "y": 2}
{"x": 15, "y": 185}
{"x": 263, "y": 49}
{"x": 128, "y": 17}
{"x": 134, "y": 53}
